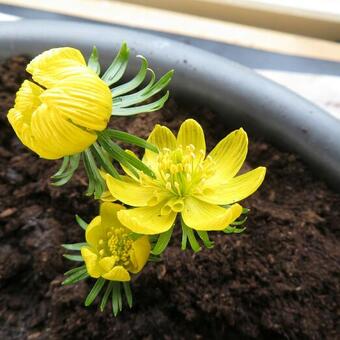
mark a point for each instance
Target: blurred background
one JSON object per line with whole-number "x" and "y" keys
{"x": 293, "y": 42}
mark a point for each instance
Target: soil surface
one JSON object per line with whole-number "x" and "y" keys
{"x": 277, "y": 280}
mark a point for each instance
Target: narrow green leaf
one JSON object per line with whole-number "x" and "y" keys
{"x": 116, "y": 298}
{"x": 65, "y": 173}
{"x": 93, "y": 62}
{"x": 81, "y": 222}
{"x": 118, "y": 66}
{"x": 162, "y": 242}
{"x": 123, "y": 157}
{"x": 131, "y": 139}
{"x": 116, "y": 101}
{"x": 74, "y": 270}
{"x": 233, "y": 230}
{"x": 157, "y": 105}
{"x": 74, "y": 246}
{"x": 245, "y": 211}
{"x": 95, "y": 291}
{"x": 154, "y": 258}
{"x": 76, "y": 277}
{"x": 104, "y": 161}
{"x": 63, "y": 167}
{"x": 184, "y": 239}
{"x": 133, "y": 83}
{"x": 205, "y": 238}
{"x": 240, "y": 222}
{"x": 128, "y": 294}
{"x": 96, "y": 182}
{"x": 106, "y": 296}
{"x": 141, "y": 96}
{"x": 77, "y": 258}
{"x": 189, "y": 234}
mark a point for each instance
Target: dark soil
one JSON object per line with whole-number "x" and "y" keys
{"x": 277, "y": 280}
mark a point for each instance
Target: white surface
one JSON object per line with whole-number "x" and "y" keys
{"x": 8, "y": 17}
{"x": 322, "y": 90}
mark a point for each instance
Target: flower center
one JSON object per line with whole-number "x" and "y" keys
{"x": 183, "y": 169}
{"x": 117, "y": 244}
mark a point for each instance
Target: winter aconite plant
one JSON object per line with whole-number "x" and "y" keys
{"x": 64, "y": 112}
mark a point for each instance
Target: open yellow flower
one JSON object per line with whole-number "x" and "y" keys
{"x": 61, "y": 112}
{"x": 111, "y": 253}
{"x": 187, "y": 182}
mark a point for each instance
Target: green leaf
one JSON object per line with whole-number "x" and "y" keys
{"x": 104, "y": 161}
{"x": 123, "y": 157}
{"x": 74, "y": 270}
{"x": 245, "y": 211}
{"x": 154, "y": 258}
{"x": 94, "y": 291}
{"x": 131, "y": 139}
{"x": 142, "y": 95}
{"x": 68, "y": 167}
{"x": 93, "y": 62}
{"x": 81, "y": 222}
{"x": 96, "y": 182}
{"x": 118, "y": 66}
{"x": 233, "y": 230}
{"x": 117, "y": 100}
{"x": 205, "y": 238}
{"x": 189, "y": 234}
{"x": 157, "y": 105}
{"x": 77, "y": 258}
{"x": 116, "y": 298}
{"x": 162, "y": 242}
{"x": 128, "y": 294}
{"x": 63, "y": 167}
{"x": 76, "y": 277}
{"x": 133, "y": 83}
{"x": 240, "y": 222}
{"x": 106, "y": 296}
{"x": 74, "y": 246}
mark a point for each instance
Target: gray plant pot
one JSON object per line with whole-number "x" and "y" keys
{"x": 239, "y": 95}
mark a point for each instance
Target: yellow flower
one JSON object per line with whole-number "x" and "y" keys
{"x": 111, "y": 253}
{"x": 60, "y": 116}
{"x": 187, "y": 182}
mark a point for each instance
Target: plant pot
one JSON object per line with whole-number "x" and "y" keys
{"x": 276, "y": 280}
{"x": 239, "y": 95}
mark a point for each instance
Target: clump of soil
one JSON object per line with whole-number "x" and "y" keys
{"x": 277, "y": 280}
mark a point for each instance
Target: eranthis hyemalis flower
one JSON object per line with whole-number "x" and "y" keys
{"x": 60, "y": 112}
{"x": 203, "y": 189}
{"x": 111, "y": 252}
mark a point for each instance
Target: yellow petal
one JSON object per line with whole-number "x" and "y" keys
{"x": 236, "y": 189}
{"x": 27, "y": 99}
{"x": 141, "y": 251}
{"x": 147, "y": 220}
{"x": 191, "y": 133}
{"x": 200, "y": 215}
{"x": 162, "y": 138}
{"x": 106, "y": 263}
{"x": 228, "y": 156}
{"x": 128, "y": 191}
{"x": 83, "y": 99}
{"x": 57, "y": 136}
{"x": 94, "y": 231}
{"x": 91, "y": 262}
{"x": 117, "y": 273}
{"x": 56, "y": 64}
{"x": 127, "y": 170}
{"x": 107, "y": 196}
{"x": 108, "y": 214}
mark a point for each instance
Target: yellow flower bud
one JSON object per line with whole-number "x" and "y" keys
{"x": 61, "y": 115}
